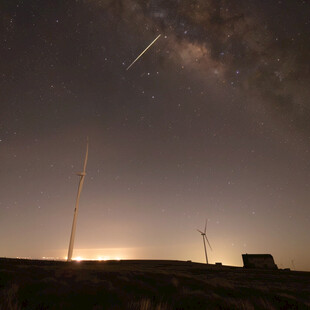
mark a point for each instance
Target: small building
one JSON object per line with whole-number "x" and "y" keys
{"x": 259, "y": 261}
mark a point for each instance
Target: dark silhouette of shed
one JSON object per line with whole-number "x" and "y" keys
{"x": 258, "y": 261}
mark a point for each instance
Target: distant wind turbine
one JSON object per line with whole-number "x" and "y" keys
{"x": 293, "y": 265}
{"x": 82, "y": 176}
{"x": 204, "y": 238}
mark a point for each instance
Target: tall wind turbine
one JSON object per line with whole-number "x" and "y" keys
{"x": 82, "y": 176}
{"x": 204, "y": 238}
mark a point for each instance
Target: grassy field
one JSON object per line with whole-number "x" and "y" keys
{"x": 147, "y": 285}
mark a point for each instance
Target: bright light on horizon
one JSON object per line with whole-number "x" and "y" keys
{"x": 78, "y": 259}
{"x": 101, "y": 254}
{"x": 99, "y": 258}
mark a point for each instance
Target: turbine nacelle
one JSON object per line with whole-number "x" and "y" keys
{"x": 202, "y": 233}
{"x": 81, "y": 174}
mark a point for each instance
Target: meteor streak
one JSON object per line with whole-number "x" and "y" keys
{"x": 143, "y": 52}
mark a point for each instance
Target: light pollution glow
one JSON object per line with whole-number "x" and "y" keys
{"x": 194, "y": 253}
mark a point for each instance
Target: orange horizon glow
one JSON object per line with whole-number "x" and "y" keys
{"x": 228, "y": 255}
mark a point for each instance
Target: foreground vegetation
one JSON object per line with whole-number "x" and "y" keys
{"x": 147, "y": 285}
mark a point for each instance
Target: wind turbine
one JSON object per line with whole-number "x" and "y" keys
{"x": 204, "y": 238}
{"x": 82, "y": 176}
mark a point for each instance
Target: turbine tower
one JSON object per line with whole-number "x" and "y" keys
{"x": 204, "y": 238}
{"x": 82, "y": 176}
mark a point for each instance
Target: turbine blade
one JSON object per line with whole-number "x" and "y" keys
{"x": 206, "y": 225}
{"x": 208, "y": 242}
{"x": 200, "y": 231}
{"x": 86, "y": 157}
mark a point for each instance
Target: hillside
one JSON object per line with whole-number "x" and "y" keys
{"x": 147, "y": 284}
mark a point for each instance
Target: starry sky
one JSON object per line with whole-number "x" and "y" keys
{"x": 212, "y": 122}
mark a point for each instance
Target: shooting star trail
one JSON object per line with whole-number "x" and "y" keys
{"x": 143, "y": 52}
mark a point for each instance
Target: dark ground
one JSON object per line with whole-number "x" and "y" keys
{"x": 34, "y": 284}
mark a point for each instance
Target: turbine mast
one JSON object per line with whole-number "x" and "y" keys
{"x": 204, "y": 243}
{"x": 82, "y": 176}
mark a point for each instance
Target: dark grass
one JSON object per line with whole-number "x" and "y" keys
{"x": 147, "y": 285}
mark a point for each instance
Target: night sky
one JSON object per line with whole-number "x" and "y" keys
{"x": 213, "y": 121}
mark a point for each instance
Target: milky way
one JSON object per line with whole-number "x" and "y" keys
{"x": 263, "y": 53}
